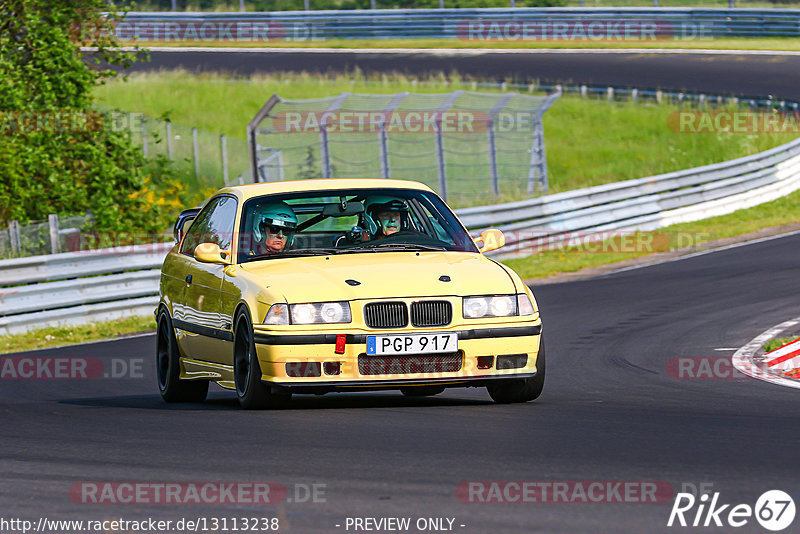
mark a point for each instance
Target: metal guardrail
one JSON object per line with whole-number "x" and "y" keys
{"x": 65, "y": 289}
{"x": 77, "y": 264}
{"x": 59, "y": 292}
{"x": 644, "y": 203}
{"x": 468, "y": 24}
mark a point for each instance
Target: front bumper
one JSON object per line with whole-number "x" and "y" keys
{"x": 279, "y": 353}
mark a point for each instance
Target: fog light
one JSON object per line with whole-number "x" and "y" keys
{"x": 303, "y": 369}
{"x": 512, "y": 361}
{"x": 332, "y": 368}
{"x": 485, "y": 362}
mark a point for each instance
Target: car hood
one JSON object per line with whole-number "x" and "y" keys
{"x": 380, "y": 275}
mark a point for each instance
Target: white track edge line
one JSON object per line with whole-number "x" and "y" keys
{"x": 700, "y": 253}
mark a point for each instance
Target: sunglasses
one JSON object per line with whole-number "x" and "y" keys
{"x": 275, "y": 230}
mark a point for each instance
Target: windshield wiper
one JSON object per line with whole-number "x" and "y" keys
{"x": 404, "y": 246}
{"x": 294, "y": 253}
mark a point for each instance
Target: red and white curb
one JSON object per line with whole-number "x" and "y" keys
{"x": 781, "y": 366}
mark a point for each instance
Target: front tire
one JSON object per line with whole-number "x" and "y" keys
{"x": 253, "y": 394}
{"x": 520, "y": 389}
{"x": 168, "y": 367}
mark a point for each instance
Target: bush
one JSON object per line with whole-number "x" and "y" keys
{"x": 56, "y": 155}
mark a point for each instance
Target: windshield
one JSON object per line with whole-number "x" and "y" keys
{"x": 348, "y": 222}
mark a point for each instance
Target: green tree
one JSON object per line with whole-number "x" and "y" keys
{"x": 56, "y": 154}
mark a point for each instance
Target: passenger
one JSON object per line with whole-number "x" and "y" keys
{"x": 274, "y": 226}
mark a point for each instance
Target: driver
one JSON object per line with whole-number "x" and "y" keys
{"x": 274, "y": 225}
{"x": 387, "y": 216}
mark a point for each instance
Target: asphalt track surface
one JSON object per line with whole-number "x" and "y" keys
{"x": 753, "y": 75}
{"x": 610, "y": 411}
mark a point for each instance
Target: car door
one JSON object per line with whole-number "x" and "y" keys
{"x": 205, "y": 336}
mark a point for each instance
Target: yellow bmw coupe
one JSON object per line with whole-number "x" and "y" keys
{"x": 316, "y": 286}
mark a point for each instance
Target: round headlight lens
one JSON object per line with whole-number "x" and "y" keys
{"x": 332, "y": 312}
{"x": 476, "y": 307}
{"x": 303, "y": 313}
{"x": 503, "y": 306}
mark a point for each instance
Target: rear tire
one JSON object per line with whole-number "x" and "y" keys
{"x": 520, "y": 389}
{"x": 168, "y": 367}
{"x": 421, "y": 391}
{"x": 253, "y": 394}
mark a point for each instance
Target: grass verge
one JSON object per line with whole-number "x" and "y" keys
{"x": 777, "y": 343}
{"x": 69, "y": 335}
{"x": 589, "y": 142}
{"x": 694, "y": 235}
{"x": 778, "y": 43}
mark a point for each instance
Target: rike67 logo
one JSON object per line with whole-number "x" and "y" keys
{"x": 774, "y": 510}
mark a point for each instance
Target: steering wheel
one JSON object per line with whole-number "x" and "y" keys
{"x": 355, "y": 235}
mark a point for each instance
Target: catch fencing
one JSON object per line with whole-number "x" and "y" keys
{"x": 42, "y": 237}
{"x": 465, "y": 145}
{"x": 479, "y": 25}
{"x": 209, "y": 160}
{"x": 54, "y": 289}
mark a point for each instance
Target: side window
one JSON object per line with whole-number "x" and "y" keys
{"x": 213, "y": 225}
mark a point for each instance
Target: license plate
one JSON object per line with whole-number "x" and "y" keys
{"x": 412, "y": 344}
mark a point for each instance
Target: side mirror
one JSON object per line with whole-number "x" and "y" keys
{"x": 490, "y": 239}
{"x": 185, "y": 217}
{"x": 210, "y": 253}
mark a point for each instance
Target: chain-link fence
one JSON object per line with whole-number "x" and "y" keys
{"x": 210, "y": 160}
{"x": 472, "y": 148}
{"x": 43, "y": 237}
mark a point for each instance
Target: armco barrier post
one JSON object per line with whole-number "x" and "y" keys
{"x": 144, "y": 135}
{"x": 223, "y": 146}
{"x": 55, "y": 245}
{"x": 195, "y": 153}
{"x": 169, "y": 139}
{"x": 538, "y": 161}
{"x": 13, "y": 236}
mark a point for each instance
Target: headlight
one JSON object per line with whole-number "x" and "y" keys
{"x": 497, "y": 306}
{"x": 320, "y": 312}
{"x": 312, "y": 313}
